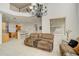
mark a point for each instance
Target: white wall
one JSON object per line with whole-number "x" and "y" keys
{"x": 27, "y": 26}
{"x": 57, "y": 11}
{"x": 30, "y": 27}
{"x": 0, "y": 28}
{"x": 12, "y": 27}
{"x": 61, "y": 10}
{"x": 4, "y": 6}
{"x": 78, "y": 17}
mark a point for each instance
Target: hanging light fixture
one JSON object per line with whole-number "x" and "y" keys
{"x": 38, "y": 10}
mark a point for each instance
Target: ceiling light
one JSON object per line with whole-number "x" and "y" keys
{"x": 38, "y": 10}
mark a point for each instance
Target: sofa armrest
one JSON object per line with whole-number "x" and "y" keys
{"x": 64, "y": 48}
{"x": 26, "y": 39}
{"x": 69, "y": 54}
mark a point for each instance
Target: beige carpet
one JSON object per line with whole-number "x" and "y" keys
{"x": 17, "y": 48}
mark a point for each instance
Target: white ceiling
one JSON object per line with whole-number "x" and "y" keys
{"x": 19, "y": 19}
{"x": 20, "y": 5}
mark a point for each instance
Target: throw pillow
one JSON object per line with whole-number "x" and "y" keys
{"x": 73, "y": 43}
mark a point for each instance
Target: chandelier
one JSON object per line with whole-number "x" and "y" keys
{"x": 38, "y": 10}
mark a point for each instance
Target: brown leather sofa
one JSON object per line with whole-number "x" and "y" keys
{"x": 40, "y": 40}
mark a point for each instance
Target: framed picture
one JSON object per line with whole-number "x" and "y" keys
{"x": 57, "y": 26}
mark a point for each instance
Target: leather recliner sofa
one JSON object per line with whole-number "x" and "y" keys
{"x": 42, "y": 41}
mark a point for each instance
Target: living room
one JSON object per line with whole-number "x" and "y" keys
{"x": 60, "y": 19}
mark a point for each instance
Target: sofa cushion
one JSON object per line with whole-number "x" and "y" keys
{"x": 28, "y": 41}
{"x": 45, "y": 45}
{"x": 48, "y": 40}
{"x": 34, "y": 35}
{"x": 47, "y": 36}
{"x": 40, "y": 35}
